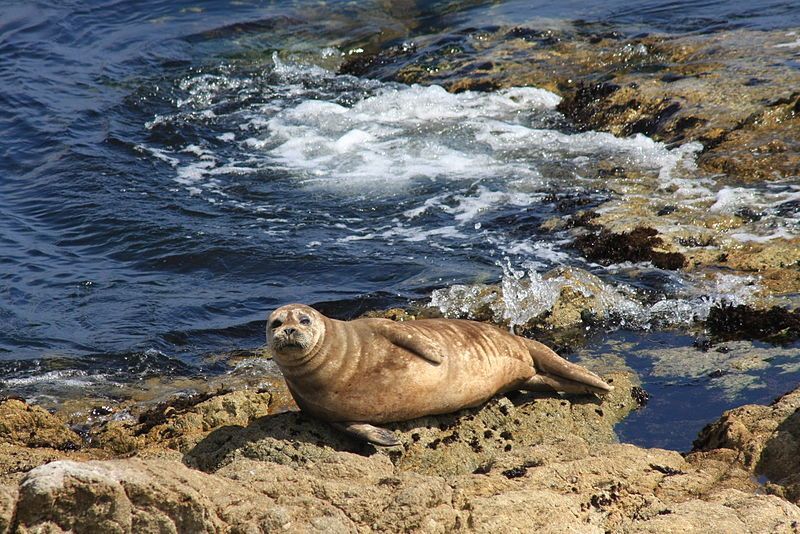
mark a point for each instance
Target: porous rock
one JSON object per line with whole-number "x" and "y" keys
{"x": 765, "y": 439}
{"x": 33, "y": 426}
{"x": 541, "y": 462}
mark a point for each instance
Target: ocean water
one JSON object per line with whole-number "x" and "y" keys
{"x": 172, "y": 171}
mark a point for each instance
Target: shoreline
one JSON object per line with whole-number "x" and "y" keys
{"x": 234, "y": 456}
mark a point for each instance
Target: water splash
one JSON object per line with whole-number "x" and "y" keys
{"x": 524, "y": 295}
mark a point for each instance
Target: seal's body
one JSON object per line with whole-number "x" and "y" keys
{"x": 353, "y": 373}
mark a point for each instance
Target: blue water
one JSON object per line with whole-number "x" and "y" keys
{"x": 123, "y": 254}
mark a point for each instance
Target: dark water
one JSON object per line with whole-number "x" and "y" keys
{"x": 164, "y": 182}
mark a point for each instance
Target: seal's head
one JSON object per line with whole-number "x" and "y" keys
{"x": 293, "y": 331}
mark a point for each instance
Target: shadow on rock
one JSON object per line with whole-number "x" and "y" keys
{"x": 780, "y": 457}
{"x": 450, "y": 444}
{"x": 285, "y": 438}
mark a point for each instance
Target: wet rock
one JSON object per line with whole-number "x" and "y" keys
{"x": 581, "y": 296}
{"x": 32, "y": 426}
{"x": 372, "y": 63}
{"x": 583, "y": 100}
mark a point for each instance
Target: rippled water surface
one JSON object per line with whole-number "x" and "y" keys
{"x": 172, "y": 171}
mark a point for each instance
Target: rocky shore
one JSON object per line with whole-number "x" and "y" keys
{"x": 727, "y": 101}
{"x": 243, "y": 460}
{"x": 237, "y": 462}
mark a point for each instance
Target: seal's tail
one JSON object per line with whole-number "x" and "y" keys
{"x": 555, "y": 373}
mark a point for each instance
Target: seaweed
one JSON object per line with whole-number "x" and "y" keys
{"x": 727, "y": 322}
{"x": 606, "y": 247}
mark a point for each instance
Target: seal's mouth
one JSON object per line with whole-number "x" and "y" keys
{"x": 289, "y": 343}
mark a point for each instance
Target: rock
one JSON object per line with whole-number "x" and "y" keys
{"x": 580, "y": 294}
{"x": 8, "y": 500}
{"x": 121, "y": 496}
{"x": 672, "y": 88}
{"x": 721, "y": 513}
{"x": 542, "y": 462}
{"x": 32, "y": 426}
{"x": 180, "y": 422}
{"x": 453, "y": 444}
{"x": 766, "y": 440}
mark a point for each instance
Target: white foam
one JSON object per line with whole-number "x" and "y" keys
{"x": 780, "y": 233}
{"x": 549, "y": 252}
{"x": 462, "y": 157}
{"x": 793, "y": 44}
{"x": 399, "y": 134}
{"x": 730, "y": 199}
{"x": 66, "y": 378}
{"x": 775, "y": 220}
{"x": 394, "y": 135}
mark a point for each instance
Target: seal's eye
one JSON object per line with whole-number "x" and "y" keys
{"x": 305, "y": 320}
{"x": 275, "y": 324}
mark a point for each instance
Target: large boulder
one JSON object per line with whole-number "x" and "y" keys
{"x": 766, "y": 440}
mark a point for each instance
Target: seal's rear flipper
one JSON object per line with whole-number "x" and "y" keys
{"x": 367, "y": 432}
{"x": 554, "y": 372}
{"x": 556, "y": 383}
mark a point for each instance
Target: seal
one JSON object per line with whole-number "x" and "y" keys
{"x": 357, "y": 374}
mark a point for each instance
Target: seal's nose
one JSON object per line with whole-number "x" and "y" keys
{"x": 289, "y": 331}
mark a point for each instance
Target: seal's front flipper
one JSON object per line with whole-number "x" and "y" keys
{"x": 414, "y": 342}
{"x": 367, "y": 432}
{"x": 554, "y": 372}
